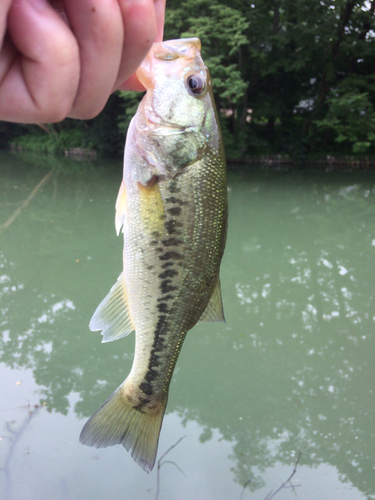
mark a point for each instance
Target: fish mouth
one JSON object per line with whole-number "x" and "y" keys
{"x": 159, "y": 126}
{"x": 171, "y": 129}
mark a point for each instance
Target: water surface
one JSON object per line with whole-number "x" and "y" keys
{"x": 291, "y": 371}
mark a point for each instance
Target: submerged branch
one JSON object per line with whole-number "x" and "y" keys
{"x": 160, "y": 463}
{"x": 244, "y": 487}
{"x": 14, "y": 437}
{"x": 24, "y": 204}
{"x": 272, "y": 494}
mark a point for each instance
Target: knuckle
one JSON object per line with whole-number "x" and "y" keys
{"x": 86, "y": 112}
{"x": 54, "y": 111}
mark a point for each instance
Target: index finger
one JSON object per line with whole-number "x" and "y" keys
{"x": 155, "y": 18}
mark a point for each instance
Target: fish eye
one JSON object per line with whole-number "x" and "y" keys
{"x": 196, "y": 85}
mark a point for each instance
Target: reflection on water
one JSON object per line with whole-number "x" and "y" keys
{"x": 292, "y": 370}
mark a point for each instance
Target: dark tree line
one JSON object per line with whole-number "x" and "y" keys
{"x": 290, "y": 76}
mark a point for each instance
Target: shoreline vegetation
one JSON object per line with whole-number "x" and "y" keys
{"x": 328, "y": 162}
{"x": 75, "y": 153}
{"x": 294, "y": 82}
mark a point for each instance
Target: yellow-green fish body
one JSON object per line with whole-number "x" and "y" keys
{"x": 172, "y": 208}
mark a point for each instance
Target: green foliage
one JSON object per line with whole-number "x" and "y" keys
{"x": 8, "y": 131}
{"x": 289, "y": 76}
{"x": 222, "y": 31}
{"x": 52, "y": 142}
{"x": 351, "y": 114}
{"x": 101, "y": 134}
{"x": 129, "y": 104}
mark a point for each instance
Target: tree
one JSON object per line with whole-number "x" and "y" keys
{"x": 222, "y": 30}
{"x": 289, "y": 76}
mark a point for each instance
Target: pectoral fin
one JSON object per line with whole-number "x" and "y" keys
{"x": 152, "y": 207}
{"x": 214, "y": 311}
{"x": 112, "y": 314}
{"x": 120, "y": 208}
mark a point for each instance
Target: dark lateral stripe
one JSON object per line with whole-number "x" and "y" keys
{"x": 166, "y": 287}
{"x": 166, "y": 297}
{"x": 169, "y": 273}
{"x": 146, "y": 388}
{"x": 172, "y": 188}
{"x": 175, "y": 201}
{"x": 170, "y": 256}
{"x": 158, "y": 348}
{"x": 167, "y": 264}
{"x": 163, "y": 307}
{"x": 172, "y": 225}
{"x": 172, "y": 242}
{"x": 151, "y": 375}
{"x": 174, "y": 210}
{"x": 142, "y": 403}
{"x": 154, "y": 361}
{"x": 160, "y": 324}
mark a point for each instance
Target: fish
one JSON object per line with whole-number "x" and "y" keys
{"x": 172, "y": 210}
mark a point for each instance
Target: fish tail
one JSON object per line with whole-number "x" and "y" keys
{"x": 118, "y": 421}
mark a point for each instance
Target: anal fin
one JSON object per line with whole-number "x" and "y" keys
{"x": 112, "y": 314}
{"x": 214, "y": 311}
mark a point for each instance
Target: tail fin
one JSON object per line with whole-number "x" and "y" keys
{"x": 119, "y": 422}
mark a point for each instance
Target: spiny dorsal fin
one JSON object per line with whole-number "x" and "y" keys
{"x": 112, "y": 314}
{"x": 120, "y": 208}
{"x": 214, "y": 311}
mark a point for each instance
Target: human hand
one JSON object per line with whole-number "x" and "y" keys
{"x": 64, "y": 58}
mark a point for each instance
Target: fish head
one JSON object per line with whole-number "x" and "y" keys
{"x": 176, "y": 119}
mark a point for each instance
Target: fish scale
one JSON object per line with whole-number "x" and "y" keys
{"x": 172, "y": 208}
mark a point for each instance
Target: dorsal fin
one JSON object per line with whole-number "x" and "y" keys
{"x": 112, "y": 314}
{"x": 214, "y": 311}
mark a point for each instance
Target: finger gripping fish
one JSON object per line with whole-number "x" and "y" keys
{"x": 172, "y": 210}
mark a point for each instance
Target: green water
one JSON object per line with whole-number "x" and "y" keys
{"x": 291, "y": 371}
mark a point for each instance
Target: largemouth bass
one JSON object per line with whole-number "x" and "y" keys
{"x": 172, "y": 209}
